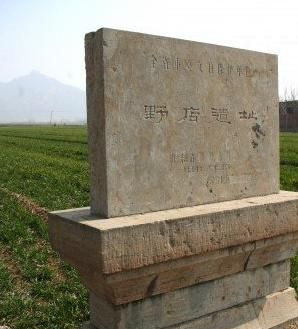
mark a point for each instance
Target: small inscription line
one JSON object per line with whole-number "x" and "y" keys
{"x": 178, "y": 64}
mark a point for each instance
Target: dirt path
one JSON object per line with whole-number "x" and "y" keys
{"x": 29, "y": 204}
{"x": 42, "y": 213}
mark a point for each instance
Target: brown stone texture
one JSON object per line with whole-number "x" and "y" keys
{"x": 134, "y": 257}
{"x": 175, "y": 123}
{"x": 192, "y": 302}
{"x": 278, "y": 310}
{"x": 124, "y": 243}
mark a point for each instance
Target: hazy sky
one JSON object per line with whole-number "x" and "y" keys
{"x": 48, "y": 36}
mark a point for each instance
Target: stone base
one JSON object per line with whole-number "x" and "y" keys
{"x": 278, "y": 310}
{"x": 187, "y": 304}
{"x": 130, "y": 258}
{"x": 217, "y": 266}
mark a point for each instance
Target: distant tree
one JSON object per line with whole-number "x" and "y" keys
{"x": 289, "y": 95}
{"x": 293, "y": 94}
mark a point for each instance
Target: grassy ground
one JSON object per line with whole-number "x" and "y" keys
{"x": 289, "y": 180}
{"x": 45, "y": 168}
{"x": 49, "y": 166}
{"x": 289, "y": 161}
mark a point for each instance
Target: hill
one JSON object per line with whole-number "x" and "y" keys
{"x": 37, "y": 98}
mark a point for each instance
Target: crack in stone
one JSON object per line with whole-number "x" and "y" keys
{"x": 249, "y": 255}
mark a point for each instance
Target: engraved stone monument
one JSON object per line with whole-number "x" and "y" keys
{"x": 175, "y": 123}
{"x": 187, "y": 227}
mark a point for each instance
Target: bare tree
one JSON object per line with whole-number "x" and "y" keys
{"x": 293, "y": 94}
{"x": 290, "y": 95}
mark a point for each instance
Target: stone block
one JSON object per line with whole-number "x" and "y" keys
{"x": 169, "y": 276}
{"x": 186, "y": 304}
{"x": 175, "y": 123}
{"x": 277, "y": 310}
{"x": 134, "y": 257}
{"x": 273, "y": 250}
{"x": 130, "y": 242}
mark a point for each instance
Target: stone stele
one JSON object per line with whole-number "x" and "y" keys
{"x": 175, "y": 123}
{"x": 187, "y": 227}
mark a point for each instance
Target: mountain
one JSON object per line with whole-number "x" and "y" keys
{"x": 37, "y": 98}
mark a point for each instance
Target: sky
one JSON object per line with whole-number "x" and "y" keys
{"x": 48, "y": 36}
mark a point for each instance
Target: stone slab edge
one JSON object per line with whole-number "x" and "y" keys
{"x": 192, "y": 302}
{"x": 278, "y": 310}
{"x": 152, "y": 280}
{"x": 130, "y": 242}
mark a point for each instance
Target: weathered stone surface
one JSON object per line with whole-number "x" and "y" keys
{"x": 238, "y": 317}
{"x": 127, "y": 259}
{"x": 169, "y": 276}
{"x": 88, "y": 325}
{"x": 133, "y": 285}
{"x": 274, "y": 311}
{"x": 174, "y": 123}
{"x": 192, "y": 302}
{"x": 277, "y": 310}
{"x": 273, "y": 250}
{"x": 131, "y": 242}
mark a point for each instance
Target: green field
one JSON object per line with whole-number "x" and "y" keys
{"x": 45, "y": 168}
{"x": 40, "y": 167}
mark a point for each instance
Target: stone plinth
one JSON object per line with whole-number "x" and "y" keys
{"x": 277, "y": 310}
{"x": 175, "y": 123}
{"x": 222, "y": 266}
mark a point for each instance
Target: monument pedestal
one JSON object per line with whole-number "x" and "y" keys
{"x": 219, "y": 266}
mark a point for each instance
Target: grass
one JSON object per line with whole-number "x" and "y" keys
{"x": 46, "y": 164}
{"x": 289, "y": 181}
{"x": 289, "y": 161}
{"x": 49, "y": 166}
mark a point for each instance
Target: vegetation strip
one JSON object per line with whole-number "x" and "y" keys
{"x": 49, "y": 294}
{"x": 37, "y": 289}
{"x": 41, "y": 212}
{"x": 29, "y": 204}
